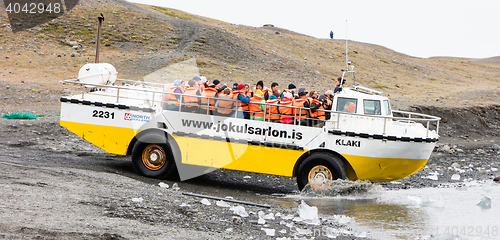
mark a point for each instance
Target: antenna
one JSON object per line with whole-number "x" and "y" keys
{"x": 346, "y": 50}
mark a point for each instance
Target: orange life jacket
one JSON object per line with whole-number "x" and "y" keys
{"x": 191, "y": 101}
{"x": 300, "y": 112}
{"x": 172, "y": 98}
{"x": 225, "y": 106}
{"x": 286, "y": 112}
{"x": 209, "y": 92}
{"x": 254, "y": 108}
{"x": 241, "y": 106}
{"x": 319, "y": 114}
{"x": 272, "y": 111}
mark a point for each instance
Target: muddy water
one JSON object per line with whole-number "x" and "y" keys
{"x": 450, "y": 212}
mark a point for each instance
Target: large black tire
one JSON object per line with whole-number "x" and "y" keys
{"x": 152, "y": 156}
{"x": 322, "y": 165}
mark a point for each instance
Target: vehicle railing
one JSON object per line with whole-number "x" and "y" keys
{"x": 210, "y": 109}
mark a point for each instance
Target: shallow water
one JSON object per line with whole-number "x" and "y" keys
{"x": 449, "y": 212}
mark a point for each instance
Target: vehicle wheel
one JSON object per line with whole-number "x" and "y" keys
{"x": 152, "y": 156}
{"x": 319, "y": 168}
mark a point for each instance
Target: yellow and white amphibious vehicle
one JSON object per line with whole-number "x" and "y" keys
{"x": 361, "y": 139}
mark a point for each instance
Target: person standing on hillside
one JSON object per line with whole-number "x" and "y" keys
{"x": 331, "y": 34}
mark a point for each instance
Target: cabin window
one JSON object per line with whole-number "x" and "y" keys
{"x": 387, "y": 107}
{"x": 371, "y": 107}
{"x": 347, "y": 104}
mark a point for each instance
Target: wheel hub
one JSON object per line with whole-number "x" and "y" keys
{"x": 153, "y": 157}
{"x": 319, "y": 177}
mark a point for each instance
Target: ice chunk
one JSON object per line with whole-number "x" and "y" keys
{"x": 222, "y": 204}
{"x": 435, "y": 203}
{"x": 137, "y": 199}
{"x": 494, "y": 169}
{"x": 175, "y": 187}
{"x": 247, "y": 177}
{"x": 455, "y": 177}
{"x": 287, "y": 217}
{"x": 485, "y": 203}
{"x": 297, "y": 219}
{"x": 269, "y": 216}
{"x": 261, "y": 221}
{"x": 362, "y": 235}
{"x": 342, "y": 219}
{"x": 229, "y": 230}
{"x": 163, "y": 185}
{"x": 269, "y": 232}
{"x": 432, "y": 176}
{"x": 184, "y": 205}
{"x": 308, "y": 214}
{"x": 277, "y": 215}
{"x": 205, "y": 202}
{"x": 239, "y": 210}
{"x": 261, "y": 214}
{"x": 283, "y": 231}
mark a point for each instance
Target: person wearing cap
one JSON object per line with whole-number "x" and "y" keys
{"x": 203, "y": 82}
{"x": 243, "y": 100}
{"x": 173, "y": 100}
{"x": 327, "y": 101}
{"x": 287, "y": 113}
{"x": 302, "y": 105}
{"x": 316, "y": 110}
{"x": 291, "y": 89}
{"x": 235, "y": 87}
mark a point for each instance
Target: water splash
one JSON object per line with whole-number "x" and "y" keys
{"x": 341, "y": 187}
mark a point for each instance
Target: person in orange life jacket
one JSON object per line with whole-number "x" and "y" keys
{"x": 203, "y": 82}
{"x": 314, "y": 105}
{"x": 243, "y": 99}
{"x": 257, "y": 110}
{"x": 291, "y": 89}
{"x": 303, "y": 103}
{"x": 327, "y": 100}
{"x": 286, "y": 113}
{"x": 272, "y": 111}
{"x": 338, "y": 85}
{"x": 191, "y": 103}
{"x": 225, "y": 107}
{"x": 274, "y": 88}
{"x": 211, "y": 91}
{"x": 174, "y": 100}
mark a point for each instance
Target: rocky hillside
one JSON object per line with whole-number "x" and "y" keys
{"x": 141, "y": 39}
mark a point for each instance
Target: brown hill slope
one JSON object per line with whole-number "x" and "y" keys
{"x": 140, "y": 39}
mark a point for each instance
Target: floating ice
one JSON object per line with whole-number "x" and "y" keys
{"x": 163, "y": 185}
{"x": 485, "y": 203}
{"x": 205, "y": 202}
{"x": 184, "y": 205}
{"x": 308, "y": 214}
{"x": 175, "y": 187}
{"x": 229, "y": 230}
{"x": 239, "y": 210}
{"x": 222, "y": 204}
{"x": 342, "y": 219}
{"x": 287, "y": 217}
{"x": 261, "y": 221}
{"x": 283, "y": 231}
{"x": 493, "y": 169}
{"x": 455, "y": 177}
{"x": 269, "y": 232}
{"x": 435, "y": 203}
{"x": 137, "y": 199}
